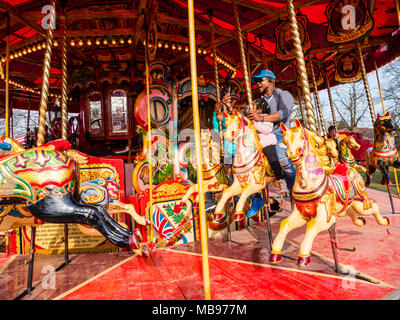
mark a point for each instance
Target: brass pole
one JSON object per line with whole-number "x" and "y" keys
{"x": 318, "y": 103}
{"x": 7, "y": 95}
{"x": 243, "y": 57}
{"x": 328, "y": 88}
{"x": 303, "y": 119}
{"x": 214, "y": 50}
{"x": 196, "y": 123}
{"x": 149, "y": 155}
{"x": 379, "y": 86}
{"x": 64, "y": 84}
{"x": 301, "y": 66}
{"x": 397, "y": 10}
{"x": 45, "y": 86}
{"x": 366, "y": 85}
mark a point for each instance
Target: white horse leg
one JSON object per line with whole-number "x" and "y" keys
{"x": 294, "y": 221}
{"x": 359, "y": 208}
{"x": 192, "y": 189}
{"x": 358, "y": 221}
{"x": 314, "y": 226}
{"x": 246, "y": 192}
{"x": 229, "y": 192}
{"x": 117, "y": 207}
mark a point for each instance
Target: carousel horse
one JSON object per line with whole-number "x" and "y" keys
{"x": 214, "y": 173}
{"x": 384, "y": 152}
{"x": 319, "y": 198}
{"x": 44, "y": 179}
{"x": 251, "y": 170}
{"x": 345, "y": 156}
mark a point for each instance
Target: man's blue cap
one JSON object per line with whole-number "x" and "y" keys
{"x": 263, "y": 73}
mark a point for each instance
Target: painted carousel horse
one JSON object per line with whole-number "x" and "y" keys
{"x": 319, "y": 198}
{"x": 384, "y": 152}
{"x": 251, "y": 170}
{"x": 214, "y": 172}
{"x": 345, "y": 156}
{"x": 44, "y": 179}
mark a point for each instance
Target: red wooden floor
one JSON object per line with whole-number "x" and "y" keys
{"x": 238, "y": 269}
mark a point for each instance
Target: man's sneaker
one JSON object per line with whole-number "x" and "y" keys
{"x": 256, "y": 205}
{"x": 284, "y": 188}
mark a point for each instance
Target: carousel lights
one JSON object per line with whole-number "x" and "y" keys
{"x": 224, "y": 63}
{"x": 80, "y": 42}
{"x": 113, "y": 41}
{"x": 97, "y": 41}
{"x": 23, "y": 51}
{"x": 89, "y": 42}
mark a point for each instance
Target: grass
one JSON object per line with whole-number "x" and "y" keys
{"x": 376, "y": 181}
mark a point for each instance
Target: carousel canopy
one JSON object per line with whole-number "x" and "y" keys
{"x": 113, "y": 33}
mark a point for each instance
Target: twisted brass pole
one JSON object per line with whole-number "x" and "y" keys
{"x": 318, "y": 103}
{"x": 301, "y": 66}
{"x": 45, "y": 86}
{"x": 366, "y": 85}
{"x": 7, "y": 102}
{"x": 243, "y": 56}
{"x": 64, "y": 87}
{"x": 218, "y": 98}
{"x": 303, "y": 118}
{"x": 328, "y": 88}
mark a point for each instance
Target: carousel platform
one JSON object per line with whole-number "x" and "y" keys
{"x": 238, "y": 269}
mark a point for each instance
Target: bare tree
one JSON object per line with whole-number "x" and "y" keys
{"x": 350, "y": 105}
{"x": 390, "y": 88}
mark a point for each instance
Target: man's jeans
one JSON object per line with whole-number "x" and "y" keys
{"x": 287, "y": 166}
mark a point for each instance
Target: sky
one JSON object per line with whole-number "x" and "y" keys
{"x": 366, "y": 122}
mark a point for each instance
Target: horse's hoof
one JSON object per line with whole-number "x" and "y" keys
{"x": 133, "y": 242}
{"x": 303, "y": 261}
{"x": 218, "y": 216}
{"x": 146, "y": 221}
{"x": 138, "y": 235}
{"x": 387, "y": 219}
{"x": 239, "y": 216}
{"x": 364, "y": 222}
{"x": 275, "y": 258}
{"x": 145, "y": 251}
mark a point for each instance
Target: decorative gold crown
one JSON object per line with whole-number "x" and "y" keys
{"x": 347, "y": 59}
{"x": 354, "y": 3}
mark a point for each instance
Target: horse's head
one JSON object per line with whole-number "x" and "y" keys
{"x": 234, "y": 123}
{"x": 331, "y": 148}
{"x": 295, "y": 141}
{"x": 351, "y": 142}
{"x": 385, "y": 123}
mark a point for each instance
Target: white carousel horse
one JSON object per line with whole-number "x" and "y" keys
{"x": 319, "y": 198}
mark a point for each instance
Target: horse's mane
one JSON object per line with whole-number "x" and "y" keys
{"x": 320, "y": 152}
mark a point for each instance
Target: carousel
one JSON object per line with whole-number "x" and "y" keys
{"x": 137, "y": 175}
